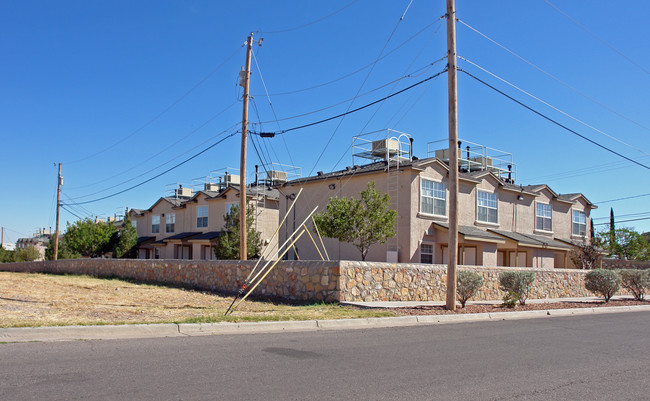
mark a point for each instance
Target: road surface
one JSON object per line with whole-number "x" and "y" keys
{"x": 599, "y": 357}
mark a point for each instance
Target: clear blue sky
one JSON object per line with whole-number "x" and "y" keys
{"x": 114, "y": 90}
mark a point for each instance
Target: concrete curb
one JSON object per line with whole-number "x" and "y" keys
{"x": 67, "y": 333}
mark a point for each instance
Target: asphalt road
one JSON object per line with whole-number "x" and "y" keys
{"x": 599, "y": 357}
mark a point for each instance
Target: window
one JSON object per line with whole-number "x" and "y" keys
{"x": 155, "y": 224}
{"x": 543, "y": 218}
{"x": 134, "y": 223}
{"x": 229, "y": 206}
{"x": 432, "y": 199}
{"x": 202, "y": 216}
{"x": 487, "y": 207}
{"x": 579, "y": 223}
{"x": 426, "y": 253}
{"x": 171, "y": 222}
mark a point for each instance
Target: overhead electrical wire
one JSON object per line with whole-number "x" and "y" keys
{"x": 555, "y": 108}
{"x": 554, "y": 122}
{"x": 259, "y": 70}
{"x": 360, "y": 69}
{"x": 554, "y": 77}
{"x": 158, "y": 166}
{"x": 594, "y": 169}
{"x": 361, "y": 107}
{"x": 157, "y": 175}
{"x": 624, "y": 198}
{"x": 312, "y": 22}
{"x": 623, "y": 221}
{"x": 601, "y": 40}
{"x": 157, "y": 116}
{"x": 71, "y": 212}
{"x": 190, "y": 133}
{"x": 620, "y": 216}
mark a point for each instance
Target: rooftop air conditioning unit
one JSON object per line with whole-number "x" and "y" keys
{"x": 230, "y": 179}
{"x": 480, "y": 163}
{"x": 210, "y": 186}
{"x": 443, "y": 154}
{"x": 184, "y": 192}
{"x": 277, "y": 176}
{"x": 385, "y": 146}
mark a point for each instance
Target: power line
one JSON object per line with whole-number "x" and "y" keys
{"x": 554, "y": 77}
{"x": 625, "y": 198}
{"x": 157, "y": 175}
{"x": 640, "y": 214}
{"x": 555, "y": 122}
{"x": 623, "y": 221}
{"x": 156, "y": 167}
{"x": 363, "y": 107}
{"x": 555, "y": 108}
{"x": 190, "y": 133}
{"x": 71, "y": 212}
{"x": 360, "y": 69}
{"x": 312, "y": 22}
{"x": 177, "y": 101}
{"x": 601, "y": 40}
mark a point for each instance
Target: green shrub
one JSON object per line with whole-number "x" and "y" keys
{"x": 518, "y": 282}
{"x": 467, "y": 285}
{"x": 603, "y": 282}
{"x": 510, "y": 300}
{"x": 636, "y": 281}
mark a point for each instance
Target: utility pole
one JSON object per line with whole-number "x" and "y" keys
{"x": 452, "y": 247}
{"x": 242, "y": 169}
{"x": 2, "y": 239}
{"x": 58, "y": 205}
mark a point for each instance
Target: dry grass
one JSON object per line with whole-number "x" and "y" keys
{"x": 28, "y": 300}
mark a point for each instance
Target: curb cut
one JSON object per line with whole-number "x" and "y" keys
{"x": 69, "y": 333}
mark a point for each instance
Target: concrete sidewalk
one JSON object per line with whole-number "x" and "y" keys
{"x": 106, "y": 332}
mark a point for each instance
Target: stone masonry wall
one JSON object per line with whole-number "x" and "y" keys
{"x": 625, "y": 264}
{"x": 313, "y": 280}
{"x": 294, "y": 281}
{"x": 371, "y": 281}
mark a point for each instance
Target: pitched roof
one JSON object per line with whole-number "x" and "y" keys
{"x": 181, "y": 236}
{"x": 210, "y": 235}
{"x": 473, "y": 233}
{"x": 536, "y": 241}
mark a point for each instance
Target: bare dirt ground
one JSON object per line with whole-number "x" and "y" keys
{"x": 51, "y": 300}
{"x": 28, "y": 300}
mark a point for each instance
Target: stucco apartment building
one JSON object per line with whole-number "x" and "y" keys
{"x": 39, "y": 241}
{"x": 500, "y": 223}
{"x": 187, "y": 224}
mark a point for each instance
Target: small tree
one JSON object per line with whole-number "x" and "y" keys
{"x": 361, "y": 222}
{"x": 467, "y": 285}
{"x": 585, "y": 255}
{"x": 27, "y": 254}
{"x": 127, "y": 240}
{"x": 88, "y": 238}
{"x": 517, "y": 283}
{"x": 603, "y": 282}
{"x": 636, "y": 281}
{"x": 63, "y": 253}
{"x": 227, "y": 245}
{"x": 628, "y": 244}
{"x": 6, "y": 256}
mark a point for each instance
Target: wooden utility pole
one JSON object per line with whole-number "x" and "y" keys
{"x": 58, "y": 205}
{"x": 452, "y": 248}
{"x": 242, "y": 169}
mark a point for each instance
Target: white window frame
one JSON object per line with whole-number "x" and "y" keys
{"x": 434, "y": 196}
{"x": 422, "y": 253}
{"x": 573, "y": 221}
{"x": 488, "y": 208}
{"x": 170, "y": 220}
{"x": 549, "y": 218}
{"x": 201, "y": 223}
{"x": 155, "y": 224}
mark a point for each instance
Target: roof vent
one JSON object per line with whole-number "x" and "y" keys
{"x": 320, "y": 173}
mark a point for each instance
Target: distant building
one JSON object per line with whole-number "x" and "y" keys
{"x": 39, "y": 240}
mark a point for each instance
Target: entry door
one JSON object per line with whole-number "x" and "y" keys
{"x": 501, "y": 258}
{"x": 470, "y": 256}
{"x": 518, "y": 260}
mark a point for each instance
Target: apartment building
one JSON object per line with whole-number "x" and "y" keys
{"x": 39, "y": 240}
{"x": 186, "y": 224}
{"x": 500, "y": 223}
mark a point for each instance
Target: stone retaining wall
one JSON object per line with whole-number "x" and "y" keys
{"x": 625, "y": 264}
{"x": 371, "y": 281}
{"x": 291, "y": 280}
{"x": 313, "y": 280}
